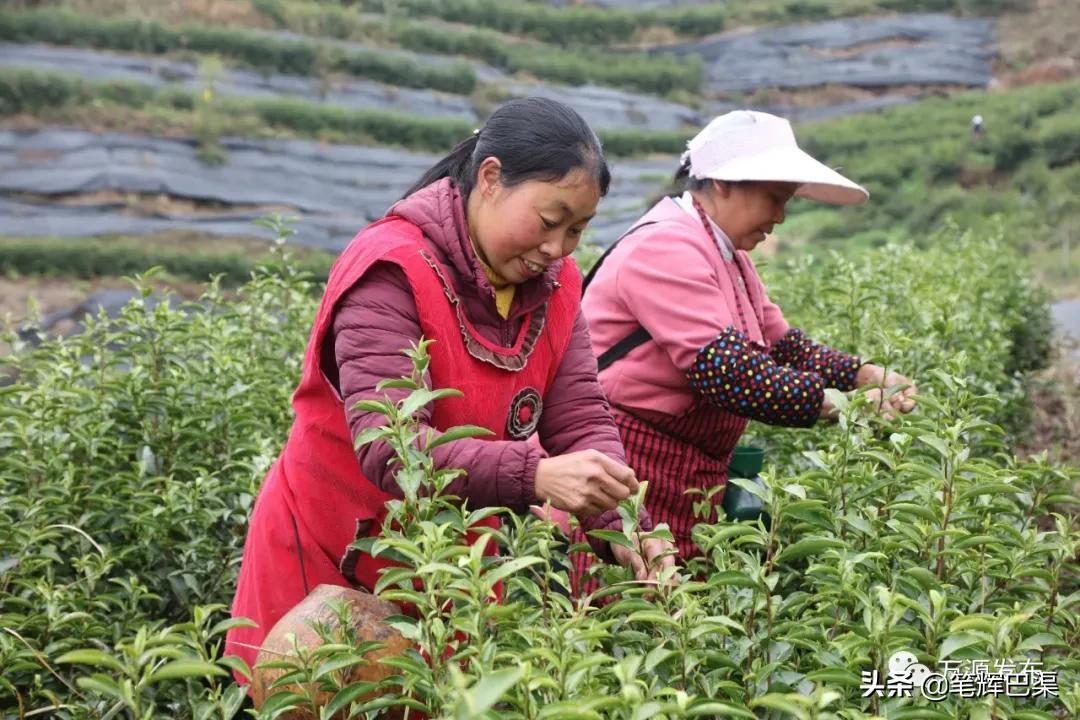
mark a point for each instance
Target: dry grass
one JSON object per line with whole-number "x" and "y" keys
{"x": 33, "y": 296}
{"x": 210, "y": 12}
{"x": 824, "y": 95}
{"x": 857, "y": 49}
{"x": 22, "y": 297}
{"x": 155, "y": 204}
{"x": 1055, "y": 395}
{"x": 1049, "y": 31}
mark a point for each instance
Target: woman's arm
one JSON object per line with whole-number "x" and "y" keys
{"x": 577, "y": 417}
{"x": 671, "y": 290}
{"x": 576, "y": 413}
{"x": 373, "y": 323}
{"x": 736, "y": 375}
{"x": 837, "y": 368}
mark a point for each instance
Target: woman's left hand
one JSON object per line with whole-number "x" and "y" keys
{"x": 659, "y": 554}
{"x": 875, "y": 376}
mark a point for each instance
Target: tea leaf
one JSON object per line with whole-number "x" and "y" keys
{"x": 782, "y": 703}
{"x": 834, "y": 676}
{"x": 614, "y": 537}
{"x": 809, "y": 546}
{"x": 987, "y": 489}
{"x": 236, "y": 664}
{"x": 180, "y": 669}
{"x": 977, "y": 540}
{"x": 421, "y": 397}
{"x": 101, "y": 684}
{"x": 510, "y": 567}
{"x": 94, "y": 658}
{"x": 1041, "y": 640}
{"x": 936, "y": 443}
{"x": 731, "y": 577}
{"x": 458, "y": 433}
{"x": 345, "y": 697}
{"x": 230, "y": 623}
{"x": 719, "y": 709}
{"x": 956, "y": 642}
{"x": 337, "y": 663}
{"x": 490, "y": 688}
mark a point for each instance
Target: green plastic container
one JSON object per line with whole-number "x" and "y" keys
{"x": 746, "y": 462}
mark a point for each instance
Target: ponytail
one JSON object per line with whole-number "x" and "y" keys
{"x": 682, "y": 179}
{"x": 457, "y": 166}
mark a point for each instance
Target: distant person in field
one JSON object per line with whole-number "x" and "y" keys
{"x": 977, "y": 127}
{"x": 476, "y": 257}
{"x": 690, "y": 347}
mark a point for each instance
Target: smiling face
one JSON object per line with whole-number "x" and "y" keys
{"x": 520, "y": 230}
{"x": 747, "y": 211}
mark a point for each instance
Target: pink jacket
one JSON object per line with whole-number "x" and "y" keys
{"x": 377, "y": 318}
{"x": 669, "y": 277}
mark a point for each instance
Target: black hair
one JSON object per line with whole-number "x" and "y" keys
{"x": 534, "y": 138}
{"x": 683, "y": 181}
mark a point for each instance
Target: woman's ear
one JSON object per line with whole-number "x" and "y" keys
{"x": 488, "y": 175}
{"x": 721, "y": 188}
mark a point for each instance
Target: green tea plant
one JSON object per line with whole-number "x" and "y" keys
{"x": 922, "y": 166}
{"x": 294, "y": 57}
{"x": 53, "y": 94}
{"x": 130, "y": 456}
{"x": 475, "y": 657}
{"x": 207, "y": 116}
{"x": 941, "y": 557}
{"x": 118, "y": 255}
{"x": 156, "y": 671}
{"x": 916, "y": 323}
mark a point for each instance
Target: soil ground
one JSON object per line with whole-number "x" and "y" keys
{"x": 22, "y": 297}
{"x": 1048, "y": 32}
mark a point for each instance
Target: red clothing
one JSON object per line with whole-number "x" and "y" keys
{"x": 316, "y": 495}
{"x": 318, "y": 498}
{"x": 377, "y": 317}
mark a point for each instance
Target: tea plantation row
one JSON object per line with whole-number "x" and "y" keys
{"x": 130, "y": 456}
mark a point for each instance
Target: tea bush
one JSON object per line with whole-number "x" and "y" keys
{"x": 659, "y": 74}
{"x": 1002, "y": 324}
{"x": 562, "y": 26}
{"x": 921, "y": 164}
{"x": 45, "y": 93}
{"x": 647, "y": 73}
{"x": 578, "y": 25}
{"x": 131, "y": 454}
{"x": 97, "y": 257}
{"x": 129, "y": 458}
{"x": 258, "y": 50}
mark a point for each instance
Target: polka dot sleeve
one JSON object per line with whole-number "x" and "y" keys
{"x": 836, "y": 368}
{"x": 738, "y": 377}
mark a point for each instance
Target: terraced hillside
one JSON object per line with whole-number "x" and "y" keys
{"x": 130, "y": 119}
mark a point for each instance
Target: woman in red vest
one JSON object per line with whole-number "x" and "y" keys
{"x": 475, "y": 256}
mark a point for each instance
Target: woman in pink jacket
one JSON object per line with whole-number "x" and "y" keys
{"x": 475, "y": 256}
{"x": 690, "y": 347}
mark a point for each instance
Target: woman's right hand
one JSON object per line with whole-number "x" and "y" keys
{"x": 584, "y": 483}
